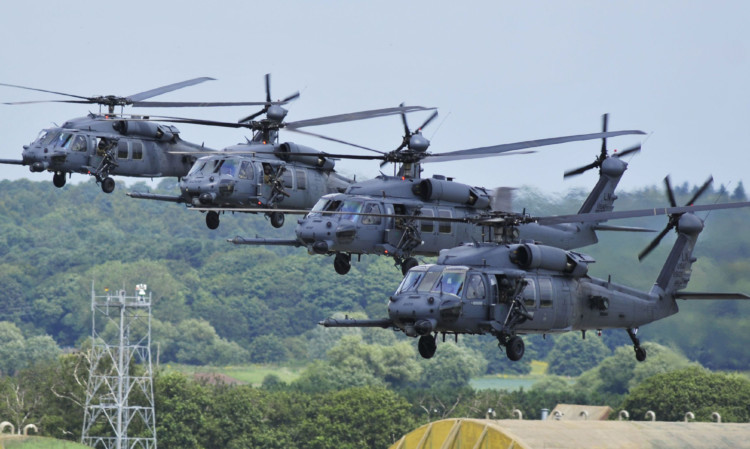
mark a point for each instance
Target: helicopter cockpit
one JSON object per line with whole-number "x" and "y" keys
{"x": 439, "y": 279}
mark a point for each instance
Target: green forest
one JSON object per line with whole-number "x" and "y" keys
{"x": 218, "y": 304}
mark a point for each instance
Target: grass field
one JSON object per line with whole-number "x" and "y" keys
{"x": 34, "y": 442}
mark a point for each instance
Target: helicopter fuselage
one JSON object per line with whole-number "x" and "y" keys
{"x": 99, "y": 147}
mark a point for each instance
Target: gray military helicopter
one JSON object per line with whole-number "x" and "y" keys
{"x": 335, "y": 226}
{"x": 263, "y": 173}
{"x": 101, "y": 148}
{"x": 509, "y": 290}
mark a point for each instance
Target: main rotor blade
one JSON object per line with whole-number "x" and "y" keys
{"x": 51, "y": 101}
{"x": 580, "y": 170}
{"x": 654, "y": 243}
{"x": 701, "y": 190}
{"x": 495, "y": 149}
{"x": 616, "y": 215}
{"x": 320, "y": 136}
{"x": 362, "y": 115}
{"x": 42, "y": 90}
{"x": 168, "y": 88}
{"x": 197, "y": 104}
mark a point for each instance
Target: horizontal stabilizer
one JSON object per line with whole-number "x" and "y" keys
{"x": 621, "y": 228}
{"x": 260, "y": 241}
{"x": 11, "y": 161}
{"x": 708, "y": 295}
{"x": 350, "y": 322}
{"x": 154, "y": 196}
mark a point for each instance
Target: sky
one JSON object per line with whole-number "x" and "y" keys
{"x": 498, "y": 72}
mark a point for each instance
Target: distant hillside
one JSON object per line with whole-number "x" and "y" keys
{"x": 219, "y": 303}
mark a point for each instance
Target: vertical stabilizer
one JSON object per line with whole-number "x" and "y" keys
{"x": 603, "y": 197}
{"x": 675, "y": 273}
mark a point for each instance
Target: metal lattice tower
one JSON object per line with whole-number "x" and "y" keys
{"x": 120, "y": 391}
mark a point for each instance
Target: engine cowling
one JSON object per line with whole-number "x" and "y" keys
{"x": 289, "y": 151}
{"x": 164, "y": 133}
{"x": 529, "y": 256}
{"x": 442, "y": 190}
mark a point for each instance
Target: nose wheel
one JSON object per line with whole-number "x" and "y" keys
{"x": 427, "y": 346}
{"x": 640, "y": 353}
{"x": 108, "y": 185}
{"x": 408, "y": 264}
{"x": 58, "y": 179}
{"x": 342, "y": 263}
{"x": 515, "y": 348}
{"x": 212, "y": 219}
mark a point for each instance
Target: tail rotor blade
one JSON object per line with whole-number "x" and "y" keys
{"x": 701, "y": 190}
{"x": 654, "y": 243}
{"x": 580, "y": 170}
{"x": 291, "y": 97}
{"x": 268, "y": 87}
{"x": 427, "y": 122}
{"x": 605, "y": 119}
{"x": 670, "y": 193}
{"x": 625, "y": 152}
{"x": 407, "y": 132}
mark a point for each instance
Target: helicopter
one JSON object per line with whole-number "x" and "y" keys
{"x": 263, "y": 173}
{"x": 334, "y": 226}
{"x": 90, "y": 145}
{"x": 512, "y": 289}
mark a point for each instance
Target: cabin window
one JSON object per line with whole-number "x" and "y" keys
{"x": 286, "y": 178}
{"x": 246, "y": 170}
{"x": 79, "y": 144}
{"x": 475, "y": 288}
{"x": 545, "y": 292}
{"x": 137, "y": 148}
{"x": 122, "y": 150}
{"x": 529, "y": 293}
{"x": 444, "y": 227}
{"x": 371, "y": 208}
{"x": 427, "y": 226}
{"x": 301, "y": 180}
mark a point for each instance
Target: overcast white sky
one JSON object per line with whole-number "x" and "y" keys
{"x": 498, "y": 71}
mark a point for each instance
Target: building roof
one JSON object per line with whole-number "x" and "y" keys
{"x": 573, "y": 412}
{"x": 551, "y": 434}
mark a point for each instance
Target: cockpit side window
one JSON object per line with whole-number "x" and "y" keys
{"x": 63, "y": 141}
{"x": 79, "y": 143}
{"x": 351, "y": 206}
{"x": 475, "y": 288}
{"x": 372, "y": 208}
{"x": 229, "y": 167}
{"x": 450, "y": 282}
{"x": 218, "y": 165}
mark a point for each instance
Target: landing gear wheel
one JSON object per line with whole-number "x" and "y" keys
{"x": 640, "y": 354}
{"x": 277, "y": 219}
{"x": 427, "y": 346}
{"x": 58, "y": 179}
{"x": 108, "y": 185}
{"x": 515, "y": 348}
{"x": 408, "y": 265}
{"x": 342, "y": 263}
{"x": 212, "y": 219}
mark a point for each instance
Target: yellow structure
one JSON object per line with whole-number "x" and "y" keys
{"x": 551, "y": 434}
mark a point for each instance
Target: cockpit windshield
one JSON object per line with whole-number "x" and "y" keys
{"x": 351, "y": 206}
{"x": 197, "y": 168}
{"x": 451, "y": 282}
{"x": 47, "y": 136}
{"x": 411, "y": 281}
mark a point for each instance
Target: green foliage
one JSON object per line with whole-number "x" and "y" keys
{"x": 451, "y": 367}
{"x": 17, "y": 352}
{"x": 573, "y": 355}
{"x": 671, "y": 395}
